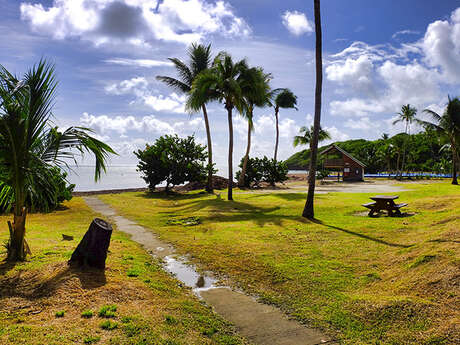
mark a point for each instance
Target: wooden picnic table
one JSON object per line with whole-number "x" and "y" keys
{"x": 384, "y": 203}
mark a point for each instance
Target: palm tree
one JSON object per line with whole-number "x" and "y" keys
{"x": 284, "y": 98}
{"x": 223, "y": 82}
{"x": 29, "y": 146}
{"x": 306, "y": 135}
{"x": 407, "y": 115}
{"x": 447, "y": 125}
{"x": 199, "y": 60}
{"x": 256, "y": 93}
{"x": 308, "y": 211}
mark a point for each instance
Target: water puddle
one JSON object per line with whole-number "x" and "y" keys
{"x": 188, "y": 275}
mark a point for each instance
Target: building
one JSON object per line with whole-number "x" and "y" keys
{"x": 339, "y": 160}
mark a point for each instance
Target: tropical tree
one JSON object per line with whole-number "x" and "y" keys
{"x": 407, "y": 116}
{"x": 306, "y": 135}
{"x": 199, "y": 60}
{"x": 283, "y": 98}
{"x": 256, "y": 93}
{"x": 30, "y": 146}
{"x": 447, "y": 125}
{"x": 224, "y": 83}
{"x": 308, "y": 211}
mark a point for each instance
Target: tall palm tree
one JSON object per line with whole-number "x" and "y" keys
{"x": 256, "y": 93}
{"x": 308, "y": 211}
{"x": 223, "y": 82}
{"x": 448, "y": 126}
{"x": 406, "y": 115}
{"x": 199, "y": 61}
{"x": 283, "y": 98}
{"x": 29, "y": 146}
{"x": 306, "y": 135}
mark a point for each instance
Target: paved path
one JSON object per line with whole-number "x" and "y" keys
{"x": 260, "y": 323}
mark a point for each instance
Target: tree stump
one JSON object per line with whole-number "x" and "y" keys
{"x": 92, "y": 249}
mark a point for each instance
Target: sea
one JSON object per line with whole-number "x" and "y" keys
{"x": 116, "y": 177}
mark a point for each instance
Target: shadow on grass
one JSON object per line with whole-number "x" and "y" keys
{"x": 35, "y": 284}
{"x": 366, "y": 237}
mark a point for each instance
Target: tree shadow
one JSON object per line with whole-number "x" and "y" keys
{"x": 366, "y": 237}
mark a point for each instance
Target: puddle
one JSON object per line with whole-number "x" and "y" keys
{"x": 188, "y": 275}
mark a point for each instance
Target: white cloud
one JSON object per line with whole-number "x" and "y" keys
{"x": 363, "y": 123}
{"x": 356, "y": 106}
{"x": 296, "y": 22}
{"x": 134, "y": 21}
{"x": 356, "y": 73}
{"x": 404, "y": 32}
{"x": 143, "y": 92}
{"x": 148, "y": 63}
{"x": 441, "y": 45}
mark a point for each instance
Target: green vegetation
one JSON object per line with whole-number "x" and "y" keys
{"x": 262, "y": 170}
{"x": 305, "y": 136}
{"x": 59, "y": 313}
{"x": 284, "y": 99}
{"x": 30, "y": 147}
{"x": 108, "y": 311}
{"x": 366, "y": 280}
{"x": 172, "y": 160}
{"x": 108, "y": 325}
{"x": 34, "y": 289}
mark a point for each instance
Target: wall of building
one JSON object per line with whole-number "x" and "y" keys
{"x": 352, "y": 171}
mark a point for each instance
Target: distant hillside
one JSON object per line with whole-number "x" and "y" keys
{"x": 422, "y": 151}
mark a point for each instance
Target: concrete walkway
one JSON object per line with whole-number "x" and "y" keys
{"x": 260, "y": 323}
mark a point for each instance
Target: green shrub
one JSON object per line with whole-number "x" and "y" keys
{"x": 87, "y": 314}
{"x": 60, "y": 313}
{"x": 108, "y": 325}
{"x": 108, "y": 311}
{"x": 91, "y": 340}
{"x": 172, "y": 160}
{"x": 263, "y": 170}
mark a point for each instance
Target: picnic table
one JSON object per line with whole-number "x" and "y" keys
{"x": 385, "y": 203}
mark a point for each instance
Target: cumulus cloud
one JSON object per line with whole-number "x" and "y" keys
{"x": 296, "y": 22}
{"x": 143, "y": 92}
{"x": 147, "y": 63}
{"x": 134, "y": 21}
{"x": 441, "y": 45}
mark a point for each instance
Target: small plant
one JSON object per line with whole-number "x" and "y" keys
{"x": 126, "y": 319}
{"x": 422, "y": 260}
{"x": 108, "y": 325}
{"x": 133, "y": 272}
{"x": 170, "y": 320}
{"x": 87, "y": 314}
{"x": 60, "y": 313}
{"x": 108, "y": 311}
{"x": 131, "y": 330}
{"x": 91, "y": 340}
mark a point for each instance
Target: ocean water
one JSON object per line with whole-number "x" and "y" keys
{"x": 116, "y": 177}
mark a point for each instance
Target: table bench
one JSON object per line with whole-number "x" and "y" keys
{"x": 384, "y": 203}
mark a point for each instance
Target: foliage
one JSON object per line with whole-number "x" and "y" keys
{"x": 30, "y": 146}
{"x": 40, "y": 197}
{"x": 305, "y": 136}
{"x": 172, "y": 160}
{"x": 108, "y": 310}
{"x": 263, "y": 170}
{"x": 381, "y": 155}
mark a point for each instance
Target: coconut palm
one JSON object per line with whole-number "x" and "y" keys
{"x": 30, "y": 146}
{"x": 283, "y": 98}
{"x": 306, "y": 135}
{"x": 256, "y": 93}
{"x": 407, "y": 116}
{"x": 199, "y": 60}
{"x": 447, "y": 125}
{"x": 224, "y": 83}
{"x": 308, "y": 211}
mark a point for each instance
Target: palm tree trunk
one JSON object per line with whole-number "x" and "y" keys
{"x": 18, "y": 248}
{"x": 246, "y": 158}
{"x": 230, "y": 151}
{"x": 277, "y": 133}
{"x": 454, "y": 168}
{"x": 209, "y": 187}
{"x": 308, "y": 211}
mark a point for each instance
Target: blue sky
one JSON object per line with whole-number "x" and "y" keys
{"x": 378, "y": 55}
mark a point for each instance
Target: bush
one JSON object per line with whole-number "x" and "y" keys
{"x": 44, "y": 194}
{"x": 172, "y": 160}
{"x": 108, "y": 311}
{"x": 263, "y": 170}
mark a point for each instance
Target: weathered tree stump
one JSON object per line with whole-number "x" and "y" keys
{"x": 92, "y": 249}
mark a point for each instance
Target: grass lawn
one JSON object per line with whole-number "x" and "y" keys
{"x": 365, "y": 280}
{"x": 42, "y": 301}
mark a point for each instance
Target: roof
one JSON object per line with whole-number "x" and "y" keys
{"x": 334, "y": 146}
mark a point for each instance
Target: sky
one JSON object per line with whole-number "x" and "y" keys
{"x": 377, "y": 56}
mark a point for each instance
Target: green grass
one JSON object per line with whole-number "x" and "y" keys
{"x": 32, "y": 292}
{"x": 365, "y": 280}
{"x": 59, "y": 313}
{"x": 108, "y": 325}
